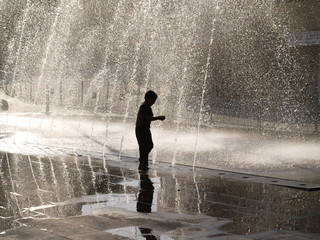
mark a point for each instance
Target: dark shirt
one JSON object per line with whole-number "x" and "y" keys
{"x": 144, "y": 111}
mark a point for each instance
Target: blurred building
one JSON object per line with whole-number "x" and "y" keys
{"x": 303, "y": 21}
{"x": 266, "y": 60}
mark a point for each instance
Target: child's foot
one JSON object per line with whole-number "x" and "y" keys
{"x": 143, "y": 168}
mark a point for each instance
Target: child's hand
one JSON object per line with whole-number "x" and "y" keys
{"x": 161, "y": 118}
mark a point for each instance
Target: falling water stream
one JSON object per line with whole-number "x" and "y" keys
{"x": 22, "y": 29}
{"x": 204, "y": 86}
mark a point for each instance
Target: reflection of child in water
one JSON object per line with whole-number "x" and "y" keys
{"x": 145, "y": 196}
{"x": 144, "y": 202}
{"x": 143, "y": 134}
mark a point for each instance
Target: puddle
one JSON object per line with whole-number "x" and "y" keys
{"x": 60, "y": 186}
{"x": 50, "y": 187}
{"x": 124, "y": 201}
{"x": 139, "y": 233}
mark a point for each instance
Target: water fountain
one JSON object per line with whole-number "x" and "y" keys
{"x": 237, "y": 94}
{"x": 212, "y": 63}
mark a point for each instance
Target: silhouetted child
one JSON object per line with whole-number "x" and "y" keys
{"x": 143, "y": 133}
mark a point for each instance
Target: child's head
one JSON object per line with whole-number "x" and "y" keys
{"x": 150, "y": 95}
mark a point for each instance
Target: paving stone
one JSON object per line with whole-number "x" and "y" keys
{"x": 96, "y": 222}
{"x": 60, "y": 227}
{"x": 29, "y": 233}
{"x": 98, "y": 236}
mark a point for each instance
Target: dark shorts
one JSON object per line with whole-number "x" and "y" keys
{"x": 144, "y": 138}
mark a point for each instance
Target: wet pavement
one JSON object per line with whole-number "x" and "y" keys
{"x": 68, "y": 194}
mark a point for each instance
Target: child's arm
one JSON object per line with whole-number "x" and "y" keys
{"x": 161, "y": 117}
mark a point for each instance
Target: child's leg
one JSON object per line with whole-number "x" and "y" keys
{"x": 145, "y": 146}
{"x": 144, "y": 151}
